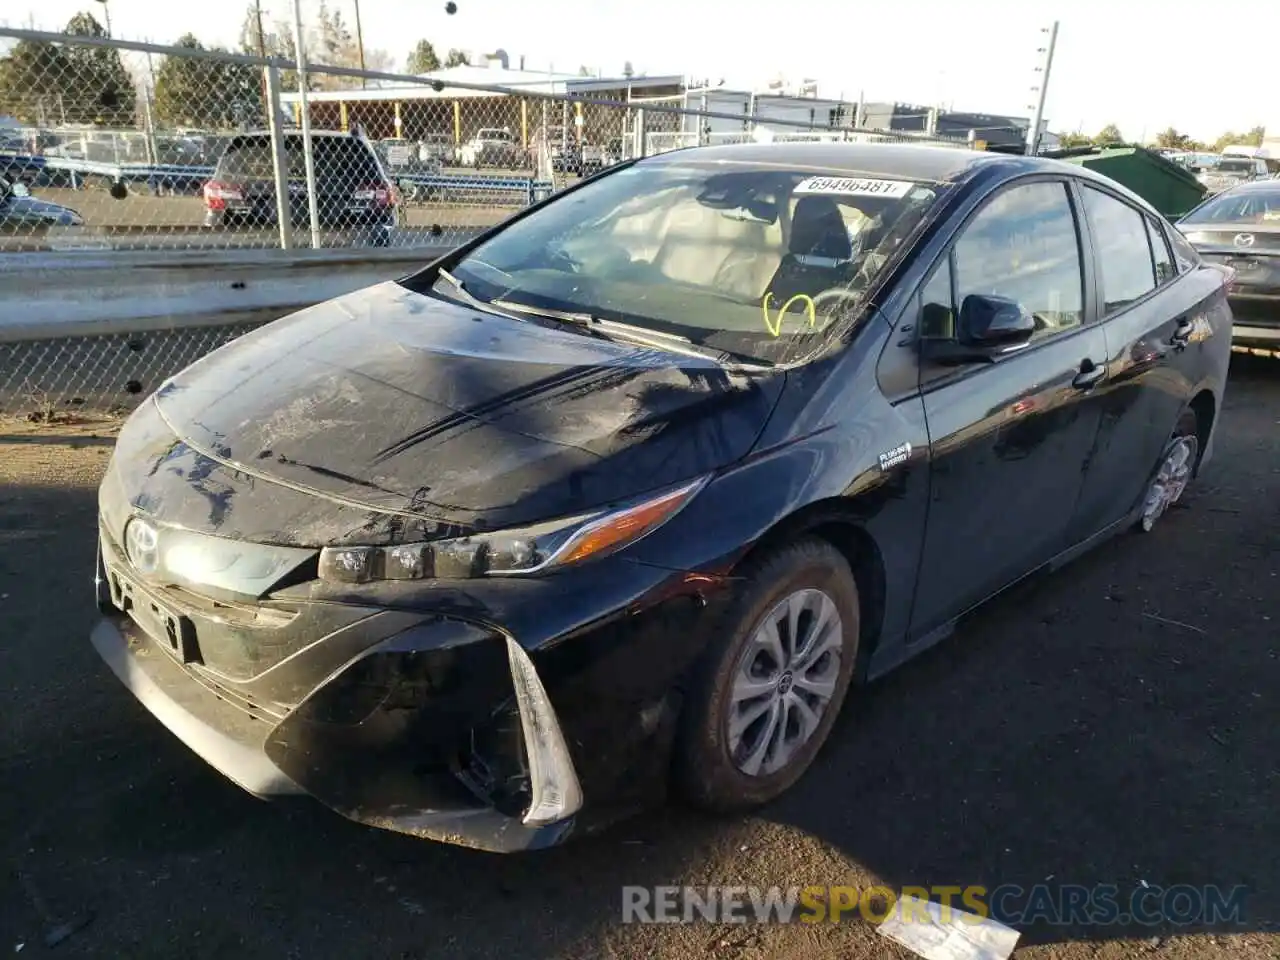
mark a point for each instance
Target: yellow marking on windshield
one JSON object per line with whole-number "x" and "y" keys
{"x": 775, "y": 328}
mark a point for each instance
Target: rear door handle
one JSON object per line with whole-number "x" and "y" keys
{"x": 1090, "y": 375}
{"x": 1182, "y": 333}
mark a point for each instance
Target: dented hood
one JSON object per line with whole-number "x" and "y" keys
{"x": 407, "y": 405}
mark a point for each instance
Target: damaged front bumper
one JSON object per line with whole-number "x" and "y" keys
{"x": 428, "y": 724}
{"x": 291, "y": 757}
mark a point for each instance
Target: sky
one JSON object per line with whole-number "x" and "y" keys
{"x": 1143, "y": 65}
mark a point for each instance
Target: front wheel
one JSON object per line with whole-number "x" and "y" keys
{"x": 1174, "y": 471}
{"x": 770, "y": 686}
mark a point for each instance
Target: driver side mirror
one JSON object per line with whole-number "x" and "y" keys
{"x": 987, "y": 328}
{"x": 994, "y": 321}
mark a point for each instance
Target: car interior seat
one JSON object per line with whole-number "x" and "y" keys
{"x": 818, "y": 252}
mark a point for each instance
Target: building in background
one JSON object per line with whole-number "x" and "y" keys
{"x": 538, "y": 106}
{"x": 998, "y": 132}
{"x": 460, "y": 101}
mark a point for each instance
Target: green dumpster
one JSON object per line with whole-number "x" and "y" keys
{"x": 1163, "y": 184}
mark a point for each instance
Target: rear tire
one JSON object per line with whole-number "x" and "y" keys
{"x": 1173, "y": 472}
{"x": 760, "y": 704}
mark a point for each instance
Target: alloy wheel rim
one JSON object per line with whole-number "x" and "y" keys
{"x": 1171, "y": 479}
{"x": 783, "y": 682}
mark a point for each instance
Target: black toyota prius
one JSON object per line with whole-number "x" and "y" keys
{"x": 630, "y": 491}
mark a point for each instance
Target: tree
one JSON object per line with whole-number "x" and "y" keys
{"x": 331, "y": 43}
{"x": 255, "y": 38}
{"x": 628, "y": 70}
{"x": 32, "y": 78}
{"x": 95, "y": 86}
{"x": 584, "y": 71}
{"x": 276, "y": 41}
{"x": 1171, "y": 139}
{"x": 423, "y": 58}
{"x": 207, "y": 94}
{"x": 1070, "y": 140}
{"x": 456, "y": 58}
{"x": 1251, "y": 139}
{"x": 1109, "y": 134}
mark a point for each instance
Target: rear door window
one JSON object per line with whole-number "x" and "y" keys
{"x": 1120, "y": 234}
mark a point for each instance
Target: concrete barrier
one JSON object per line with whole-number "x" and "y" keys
{"x": 84, "y": 293}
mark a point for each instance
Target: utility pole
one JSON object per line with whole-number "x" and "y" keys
{"x": 1033, "y": 135}
{"x": 106, "y": 14}
{"x": 308, "y": 156}
{"x": 262, "y": 42}
{"x": 360, "y": 44}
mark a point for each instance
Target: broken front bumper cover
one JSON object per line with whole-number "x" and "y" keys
{"x": 361, "y": 769}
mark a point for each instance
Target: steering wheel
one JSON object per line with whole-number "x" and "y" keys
{"x": 826, "y": 304}
{"x": 562, "y": 258}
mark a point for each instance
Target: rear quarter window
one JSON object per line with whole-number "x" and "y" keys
{"x": 246, "y": 160}
{"x": 345, "y": 159}
{"x": 1185, "y": 257}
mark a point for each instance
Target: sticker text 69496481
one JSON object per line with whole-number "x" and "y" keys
{"x": 856, "y": 186}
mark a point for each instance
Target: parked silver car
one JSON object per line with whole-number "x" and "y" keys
{"x": 492, "y": 147}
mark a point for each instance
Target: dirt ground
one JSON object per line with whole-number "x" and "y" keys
{"x": 1114, "y": 723}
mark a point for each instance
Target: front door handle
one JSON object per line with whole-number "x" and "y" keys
{"x": 1090, "y": 375}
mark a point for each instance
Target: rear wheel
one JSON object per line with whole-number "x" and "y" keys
{"x": 1174, "y": 471}
{"x": 769, "y": 688}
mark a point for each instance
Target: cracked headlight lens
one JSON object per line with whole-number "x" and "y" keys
{"x": 531, "y": 549}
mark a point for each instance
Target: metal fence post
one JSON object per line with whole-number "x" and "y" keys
{"x": 153, "y": 150}
{"x": 638, "y": 146}
{"x": 308, "y": 157}
{"x": 279, "y": 158}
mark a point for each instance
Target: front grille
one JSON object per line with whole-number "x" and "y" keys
{"x": 257, "y": 709}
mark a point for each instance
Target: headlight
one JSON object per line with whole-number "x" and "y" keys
{"x": 199, "y": 560}
{"x": 555, "y": 543}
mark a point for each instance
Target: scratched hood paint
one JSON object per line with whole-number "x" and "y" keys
{"x": 393, "y": 412}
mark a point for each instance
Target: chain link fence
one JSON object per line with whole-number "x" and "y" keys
{"x": 44, "y": 381}
{"x": 123, "y": 146}
{"x": 138, "y": 146}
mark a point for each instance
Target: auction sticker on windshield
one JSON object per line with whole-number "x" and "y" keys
{"x": 855, "y": 186}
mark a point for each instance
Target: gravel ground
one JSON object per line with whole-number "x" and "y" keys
{"x": 1114, "y": 723}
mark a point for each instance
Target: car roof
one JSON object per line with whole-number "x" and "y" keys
{"x": 912, "y": 161}
{"x": 896, "y": 160}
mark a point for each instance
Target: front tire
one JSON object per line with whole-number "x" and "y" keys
{"x": 1174, "y": 471}
{"x": 768, "y": 690}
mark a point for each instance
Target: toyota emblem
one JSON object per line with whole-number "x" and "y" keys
{"x": 141, "y": 543}
{"x": 1244, "y": 240}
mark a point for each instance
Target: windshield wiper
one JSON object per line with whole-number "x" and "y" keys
{"x": 488, "y": 306}
{"x": 630, "y": 333}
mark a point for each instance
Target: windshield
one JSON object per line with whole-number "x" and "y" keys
{"x": 1252, "y": 205}
{"x": 753, "y": 260}
{"x": 1228, "y": 165}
